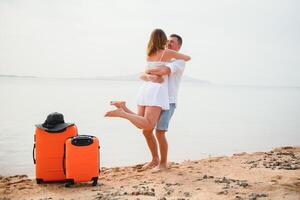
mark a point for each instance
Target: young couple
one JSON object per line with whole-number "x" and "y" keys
{"x": 157, "y": 96}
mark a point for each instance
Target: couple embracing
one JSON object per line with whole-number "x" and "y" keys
{"x": 157, "y": 97}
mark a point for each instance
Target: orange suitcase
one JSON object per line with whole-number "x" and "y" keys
{"x": 48, "y": 152}
{"x": 82, "y": 159}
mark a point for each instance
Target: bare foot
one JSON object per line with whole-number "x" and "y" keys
{"x": 150, "y": 165}
{"x": 118, "y": 104}
{"x": 115, "y": 113}
{"x": 159, "y": 168}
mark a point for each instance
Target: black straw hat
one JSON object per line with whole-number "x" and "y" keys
{"x": 54, "y": 122}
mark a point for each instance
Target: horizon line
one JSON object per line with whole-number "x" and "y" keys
{"x": 114, "y": 78}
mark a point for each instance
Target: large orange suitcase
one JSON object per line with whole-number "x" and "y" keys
{"x": 48, "y": 152}
{"x": 82, "y": 159}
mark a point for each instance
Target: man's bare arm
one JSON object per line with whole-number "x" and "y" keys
{"x": 151, "y": 77}
{"x": 160, "y": 70}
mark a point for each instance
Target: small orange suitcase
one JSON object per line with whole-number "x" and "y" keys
{"x": 82, "y": 159}
{"x": 48, "y": 152}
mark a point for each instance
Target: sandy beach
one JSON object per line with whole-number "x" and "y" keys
{"x": 260, "y": 175}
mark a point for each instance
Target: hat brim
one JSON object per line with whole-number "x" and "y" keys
{"x": 58, "y": 127}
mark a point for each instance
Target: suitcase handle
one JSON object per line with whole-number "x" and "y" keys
{"x": 82, "y": 140}
{"x": 33, "y": 153}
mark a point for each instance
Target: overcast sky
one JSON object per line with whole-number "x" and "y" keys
{"x": 254, "y": 42}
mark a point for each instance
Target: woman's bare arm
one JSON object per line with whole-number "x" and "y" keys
{"x": 174, "y": 54}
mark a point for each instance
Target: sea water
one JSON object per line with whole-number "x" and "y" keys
{"x": 210, "y": 120}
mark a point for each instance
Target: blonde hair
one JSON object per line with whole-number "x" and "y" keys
{"x": 158, "y": 41}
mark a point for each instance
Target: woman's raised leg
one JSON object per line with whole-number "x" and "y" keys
{"x": 146, "y": 122}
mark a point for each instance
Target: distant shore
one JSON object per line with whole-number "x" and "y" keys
{"x": 133, "y": 77}
{"x": 260, "y": 175}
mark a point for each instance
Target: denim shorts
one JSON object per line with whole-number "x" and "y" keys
{"x": 165, "y": 117}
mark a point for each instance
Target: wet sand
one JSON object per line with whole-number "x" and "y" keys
{"x": 260, "y": 175}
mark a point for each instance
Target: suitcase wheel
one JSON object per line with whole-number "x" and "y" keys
{"x": 69, "y": 182}
{"x": 39, "y": 181}
{"x": 95, "y": 181}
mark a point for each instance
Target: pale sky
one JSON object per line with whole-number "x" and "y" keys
{"x": 254, "y": 42}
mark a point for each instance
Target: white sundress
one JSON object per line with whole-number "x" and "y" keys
{"x": 154, "y": 94}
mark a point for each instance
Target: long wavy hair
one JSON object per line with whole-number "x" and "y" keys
{"x": 158, "y": 41}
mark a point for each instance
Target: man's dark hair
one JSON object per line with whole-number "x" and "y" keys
{"x": 178, "y": 38}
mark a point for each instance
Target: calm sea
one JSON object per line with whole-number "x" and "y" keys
{"x": 209, "y": 120}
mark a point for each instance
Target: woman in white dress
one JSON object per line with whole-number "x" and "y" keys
{"x": 152, "y": 97}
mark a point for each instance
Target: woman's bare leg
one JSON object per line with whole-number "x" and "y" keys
{"x": 146, "y": 122}
{"x": 152, "y": 144}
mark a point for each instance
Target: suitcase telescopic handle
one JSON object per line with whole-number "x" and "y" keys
{"x": 33, "y": 153}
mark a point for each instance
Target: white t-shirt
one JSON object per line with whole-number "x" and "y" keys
{"x": 177, "y": 68}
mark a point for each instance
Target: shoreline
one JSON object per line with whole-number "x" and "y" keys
{"x": 273, "y": 174}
